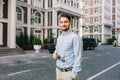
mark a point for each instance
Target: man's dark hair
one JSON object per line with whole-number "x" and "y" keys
{"x": 65, "y": 15}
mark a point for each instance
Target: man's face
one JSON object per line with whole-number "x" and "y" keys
{"x": 65, "y": 23}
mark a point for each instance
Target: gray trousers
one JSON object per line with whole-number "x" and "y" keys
{"x": 60, "y": 75}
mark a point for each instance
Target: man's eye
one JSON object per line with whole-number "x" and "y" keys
{"x": 66, "y": 21}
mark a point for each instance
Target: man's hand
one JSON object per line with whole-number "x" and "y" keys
{"x": 55, "y": 56}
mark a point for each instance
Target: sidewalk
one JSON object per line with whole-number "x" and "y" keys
{"x": 24, "y": 57}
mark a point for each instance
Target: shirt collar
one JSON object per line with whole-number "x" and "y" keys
{"x": 66, "y": 32}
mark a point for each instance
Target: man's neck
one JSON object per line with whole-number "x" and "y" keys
{"x": 64, "y": 32}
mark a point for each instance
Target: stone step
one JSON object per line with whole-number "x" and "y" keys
{"x": 5, "y": 51}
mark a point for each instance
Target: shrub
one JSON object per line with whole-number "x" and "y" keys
{"x": 37, "y": 41}
{"x": 45, "y": 43}
{"x": 110, "y": 40}
{"x": 24, "y": 42}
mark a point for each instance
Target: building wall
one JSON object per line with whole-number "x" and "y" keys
{"x": 38, "y": 17}
{"x": 98, "y": 19}
{"x": 115, "y": 17}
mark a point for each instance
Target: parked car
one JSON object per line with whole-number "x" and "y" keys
{"x": 89, "y": 43}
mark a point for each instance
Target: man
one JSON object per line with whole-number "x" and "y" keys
{"x": 68, "y": 51}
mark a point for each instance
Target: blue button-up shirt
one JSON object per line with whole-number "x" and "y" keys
{"x": 69, "y": 48}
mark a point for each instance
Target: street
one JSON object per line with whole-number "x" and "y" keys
{"x": 102, "y": 63}
{"x": 96, "y": 63}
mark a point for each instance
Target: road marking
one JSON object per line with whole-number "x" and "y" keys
{"x": 84, "y": 58}
{"x": 99, "y": 54}
{"x": 105, "y": 70}
{"x": 12, "y": 74}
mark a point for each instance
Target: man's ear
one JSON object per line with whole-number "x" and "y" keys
{"x": 71, "y": 22}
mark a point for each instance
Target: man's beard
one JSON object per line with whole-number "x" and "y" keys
{"x": 66, "y": 29}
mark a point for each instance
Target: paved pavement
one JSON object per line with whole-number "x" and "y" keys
{"x": 24, "y": 57}
{"x": 97, "y": 65}
{"x": 30, "y": 66}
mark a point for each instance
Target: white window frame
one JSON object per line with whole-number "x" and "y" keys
{"x": 68, "y": 2}
{"x": 22, "y": 14}
{"x": 36, "y": 17}
{"x": 19, "y": 31}
{"x": 86, "y": 20}
{"x": 87, "y": 2}
{"x": 96, "y": 10}
{"x": 96, "y": 19}
{"x": 61, "y": 1}
{"x": 38, "y": 35}
{"x": 74, "y": 22}
{"x": 39, "y": 1}
{"x": 86, "y": 11}
{"x": 75, "y": 4}
{"x": 86, "y": 30}
{"x": 95, "y": 29}
{"x": 96, "y": 1}
{"x": 21, "y": 0}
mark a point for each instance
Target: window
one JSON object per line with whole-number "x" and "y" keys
{"x": 20, "y": 0}
{"x": 113, "y": 10}
{"x": 86, "y": 11}
{"x": 96, "y": 19}
{"x": 113, "y": 17}
{"x": 71, "y": 2}
{"x": 50, "y": 3}
{"x": 37, "y": 17}
{"x": 96, "y": 29}
{"x": 61, "y": 1}
{"x": 68, "y": 2}
{"x": 86, "y": 20}
{"x": 96, "y": 1}
{"x": 75, "y": 5}
{"x": 113, "y": 2}
{"x": 19, "y": 30}
{"x": 74, "y": 22}
{"x": 23, "y": 1}
{"x": 39, "y": 0}
{"x": 37, "y": 33}
{"x": 96, "y": 10}
{"x": 50, "y": 18}
{"x": 86, "y": 30}
{"x": 86, "y": 2}
{"x": 19, "y": 14}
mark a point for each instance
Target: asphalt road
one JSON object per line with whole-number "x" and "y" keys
{"x": 102, "y": 63}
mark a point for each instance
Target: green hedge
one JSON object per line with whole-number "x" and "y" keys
{"x": 24, "y": 42}
{"x": 111, "y": 40}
